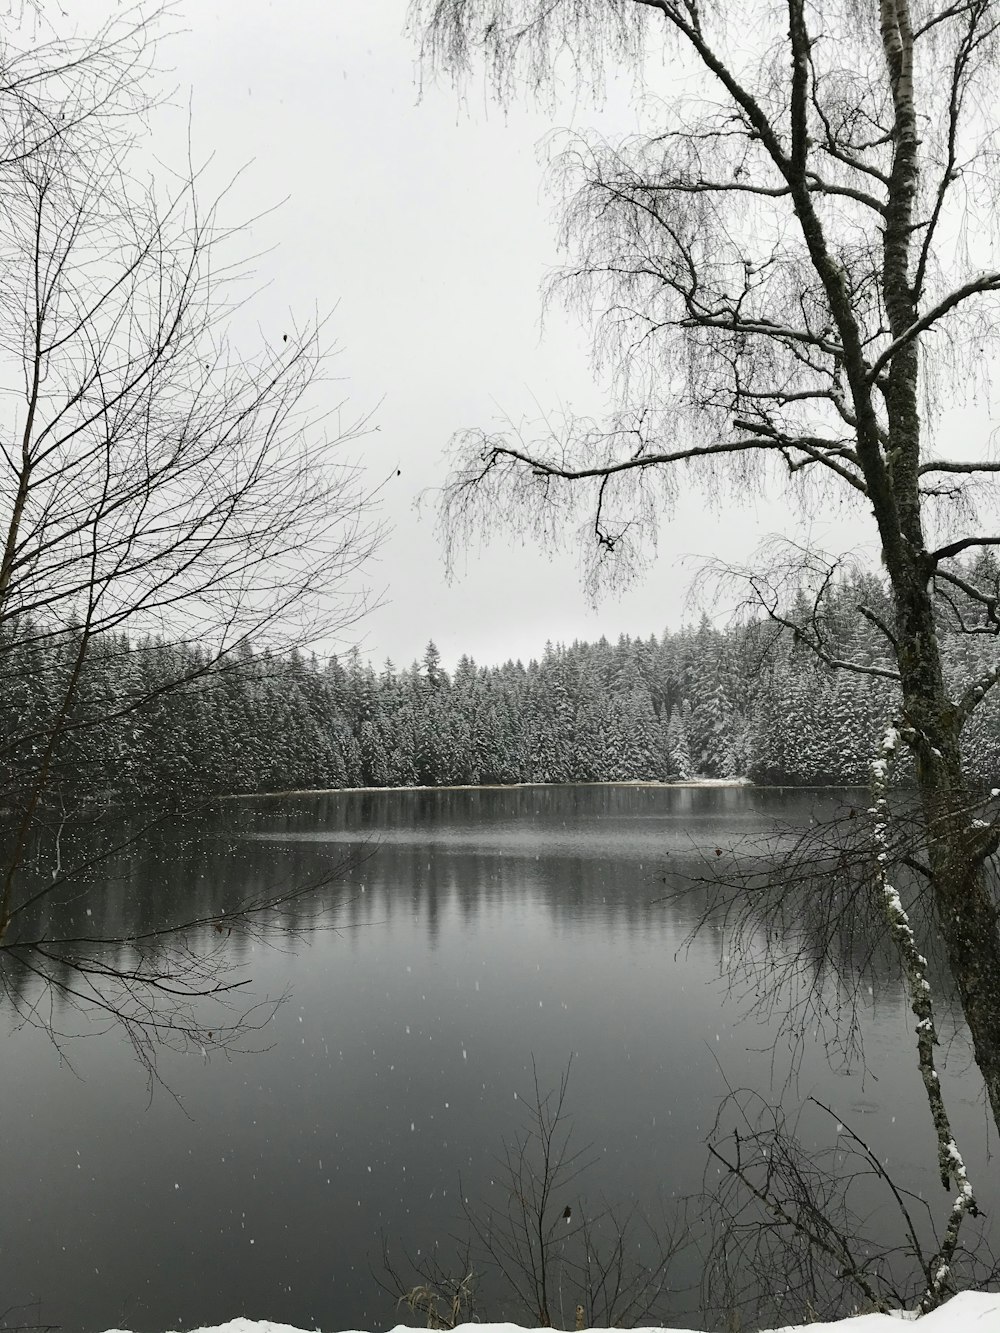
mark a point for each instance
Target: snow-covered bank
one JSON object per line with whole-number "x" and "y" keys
{"x": 491, "y": 786}
{"x": 968, "y": 1312}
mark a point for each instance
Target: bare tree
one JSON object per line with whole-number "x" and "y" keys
{"x": 559, "y": 1259}
{"x": 789, "y": 277}
{"x": 53, "y": 85}
{"x": 792, "y": 1233}
{"x": 159, "y": 481}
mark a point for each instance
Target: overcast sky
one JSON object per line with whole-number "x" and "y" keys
{"x": 425, "y": 224}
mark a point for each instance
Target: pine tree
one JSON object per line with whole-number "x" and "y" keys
{"x": 678, "y": 750}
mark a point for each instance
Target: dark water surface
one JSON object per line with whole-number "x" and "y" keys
{"x": 480, "y": 931}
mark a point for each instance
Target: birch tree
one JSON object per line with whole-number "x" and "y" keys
{"x": 790, "y": 276}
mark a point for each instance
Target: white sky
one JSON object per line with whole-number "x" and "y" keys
{"x": 425, "y": 225}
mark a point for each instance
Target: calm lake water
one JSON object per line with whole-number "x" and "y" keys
{"x": 476, "y": 933}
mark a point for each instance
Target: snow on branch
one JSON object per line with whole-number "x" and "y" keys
{"x": 976, "y": 693}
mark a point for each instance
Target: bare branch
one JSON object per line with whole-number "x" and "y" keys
{"x": 957, "y": 547}
{"x": 986, "y": 282}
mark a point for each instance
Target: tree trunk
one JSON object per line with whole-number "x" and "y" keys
{"x": 967, "y": 915}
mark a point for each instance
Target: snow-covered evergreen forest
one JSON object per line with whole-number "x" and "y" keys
{"x": 697, "y": 702}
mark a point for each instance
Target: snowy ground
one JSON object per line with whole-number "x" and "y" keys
{"x": 968, "y": 1312}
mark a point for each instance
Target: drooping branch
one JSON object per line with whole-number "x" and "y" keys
{"x": 987, "y": 600}
{"x": 810, "y": 635}
{"x": 974, "y": 38}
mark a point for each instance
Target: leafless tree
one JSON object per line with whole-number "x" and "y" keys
{"x": 560, "y": 1260}
{"x": 790, "y": 276}
{"x": 158, "y": 478}
{"x": 793, "y": 1233}
{"x": 54, "y": 86}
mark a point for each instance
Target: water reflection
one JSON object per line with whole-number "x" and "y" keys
{"x": 467, "y": 933}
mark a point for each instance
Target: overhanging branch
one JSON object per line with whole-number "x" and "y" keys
{"x": 957, "y": 547}
{"x": 987, "y": 282}
{"x": 493, "y": 452}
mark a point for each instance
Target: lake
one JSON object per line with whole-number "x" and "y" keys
{"x": 477, "y": 934}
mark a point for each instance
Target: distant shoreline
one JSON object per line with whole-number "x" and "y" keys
{"x": 497, "y": 786}
{"x": 639, "y": 784}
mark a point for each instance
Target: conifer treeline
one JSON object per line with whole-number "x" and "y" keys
{"x": 697, "y": 702}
